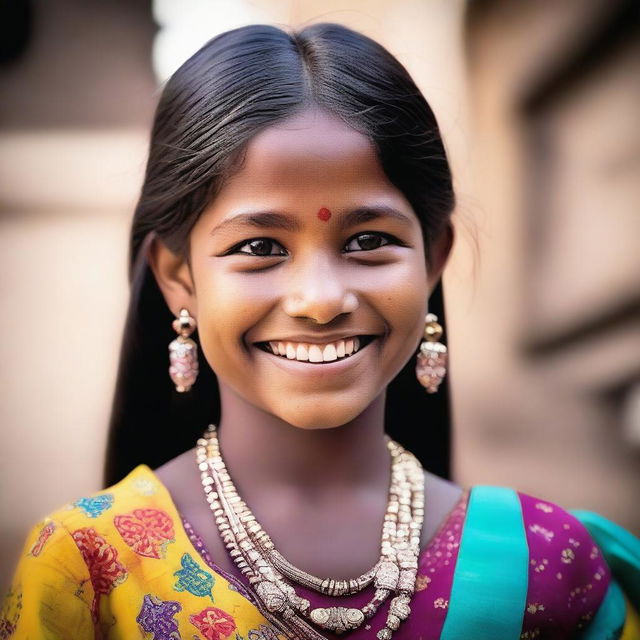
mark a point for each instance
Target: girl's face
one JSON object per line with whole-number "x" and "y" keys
{"x": 311, "y": 250}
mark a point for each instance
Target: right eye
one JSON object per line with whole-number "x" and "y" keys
{"x": 260, "y": 247}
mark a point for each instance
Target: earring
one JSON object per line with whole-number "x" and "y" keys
{"x": 183, "y": 353}
{"x": 432, "y": 357}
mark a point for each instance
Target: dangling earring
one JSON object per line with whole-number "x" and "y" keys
{"x": 432, "y": 357}
{"x": 183, "y": 353}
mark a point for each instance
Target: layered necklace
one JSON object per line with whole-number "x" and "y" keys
{"x": 272, "y": 576}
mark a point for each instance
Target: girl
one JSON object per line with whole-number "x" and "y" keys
{"x": 295, "y": 218}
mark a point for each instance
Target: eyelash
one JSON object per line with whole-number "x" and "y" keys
{"x": 384, "y": 236}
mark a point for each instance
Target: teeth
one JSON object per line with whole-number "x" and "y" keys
{"x": 329, "y": 353}
{"x": 348, "y": 346}
{"x": 315, "y": 352}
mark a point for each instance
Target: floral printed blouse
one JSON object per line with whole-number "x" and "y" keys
{"x": 123, "y": 564}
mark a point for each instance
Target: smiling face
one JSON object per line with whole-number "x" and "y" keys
{"x": 308, "y": 276}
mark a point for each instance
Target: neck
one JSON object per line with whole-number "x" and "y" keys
{"x": 259, "y": 448}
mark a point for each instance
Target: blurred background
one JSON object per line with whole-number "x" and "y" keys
{"x": 538, "y": 103}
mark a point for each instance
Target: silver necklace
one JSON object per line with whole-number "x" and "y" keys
{"x": 271, "y": 574}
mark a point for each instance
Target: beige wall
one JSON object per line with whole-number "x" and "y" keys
{"x": 548, "y": 401}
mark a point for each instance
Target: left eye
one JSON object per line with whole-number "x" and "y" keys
{"x": 367, "y": 242}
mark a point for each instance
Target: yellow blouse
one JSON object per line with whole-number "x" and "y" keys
{"x": 127, "y": 543}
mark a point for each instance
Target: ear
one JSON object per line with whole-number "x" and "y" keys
{"x": 439, "y": 252}
{"x": 173, "y": 275}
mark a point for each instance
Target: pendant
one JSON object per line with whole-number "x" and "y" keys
{"x": 337, "y": 619}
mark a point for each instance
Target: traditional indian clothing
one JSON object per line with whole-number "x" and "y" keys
{"x": 123, "y": 564}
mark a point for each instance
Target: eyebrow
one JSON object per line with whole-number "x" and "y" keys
{"x": 277, "y": 220}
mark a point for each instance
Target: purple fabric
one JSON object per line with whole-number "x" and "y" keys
{"x": 568, "y": 577}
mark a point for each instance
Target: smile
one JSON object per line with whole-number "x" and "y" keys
{"x": 317, "y": 353}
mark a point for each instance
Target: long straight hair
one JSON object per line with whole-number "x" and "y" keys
{"x": 236, "y": 85}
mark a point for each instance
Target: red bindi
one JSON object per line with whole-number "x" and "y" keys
{"x": 324, "y": 214}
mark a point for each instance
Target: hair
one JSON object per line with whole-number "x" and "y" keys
{"x": 239, "y": 83}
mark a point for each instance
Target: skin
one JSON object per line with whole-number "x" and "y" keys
{"x": 317, "y": 471}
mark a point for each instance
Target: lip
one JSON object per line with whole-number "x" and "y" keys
{"x": 321, "y": 339}
{"x": 316, "y": 368}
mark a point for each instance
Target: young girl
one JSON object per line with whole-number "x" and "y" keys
{"x": 292, "y": 229}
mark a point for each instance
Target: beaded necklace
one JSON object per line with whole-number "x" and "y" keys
{"x": 271, "y": 575}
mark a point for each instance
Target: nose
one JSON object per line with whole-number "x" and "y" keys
{"x": 318, "y": 289}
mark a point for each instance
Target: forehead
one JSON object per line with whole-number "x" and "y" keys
{"x": 311, "y": 151}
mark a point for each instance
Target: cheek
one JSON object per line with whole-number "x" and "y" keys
{"x": 226, "y": 297}
{"x": 404, "y": 305}
{"x": 406, "y": 318}
{"x": 226, "y": 311}
{"x": 402, "y": 290}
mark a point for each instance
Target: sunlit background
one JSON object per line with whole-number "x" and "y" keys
{"x": 538, "y": 103}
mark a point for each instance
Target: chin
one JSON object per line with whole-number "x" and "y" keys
{"x": 319, "y": 417}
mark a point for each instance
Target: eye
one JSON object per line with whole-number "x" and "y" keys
{"x": 368, "y": 241}
{"x": 260, "y": 247}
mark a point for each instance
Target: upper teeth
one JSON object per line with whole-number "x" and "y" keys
{"x": 316, "y": 352}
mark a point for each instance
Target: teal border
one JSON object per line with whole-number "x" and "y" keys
{"x": 620, "y": 548}
{"x": 609, "y": 621}
{"x": 489, "y": 592}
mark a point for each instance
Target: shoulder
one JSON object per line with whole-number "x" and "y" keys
{"x": 80, "y": 551}
{"x": 86, "y": 528}
{"x": 550, "y": 529}
{"x": 118, "y": 557}
{"x": 568, "y": 576}
{"x": 140, "y": 489}
{"x": 553, "y": 530}
{"x": 539, "y": 560}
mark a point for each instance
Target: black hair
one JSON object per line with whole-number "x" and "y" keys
{"x": 239, "y": 83}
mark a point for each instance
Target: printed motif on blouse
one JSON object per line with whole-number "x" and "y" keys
{"x": 193, "y": 579}
{"x": 43, "y": 536}
{"x": 158, "y": 617}
{"x": 10, "y": 614}
{"x": 95, "y": 506}
{"x": 146, "y": 531}
{"x": 101, "y": 558}
{"x": 213, "y": 623}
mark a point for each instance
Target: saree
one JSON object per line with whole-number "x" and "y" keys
{"x": 123, "y": 563}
